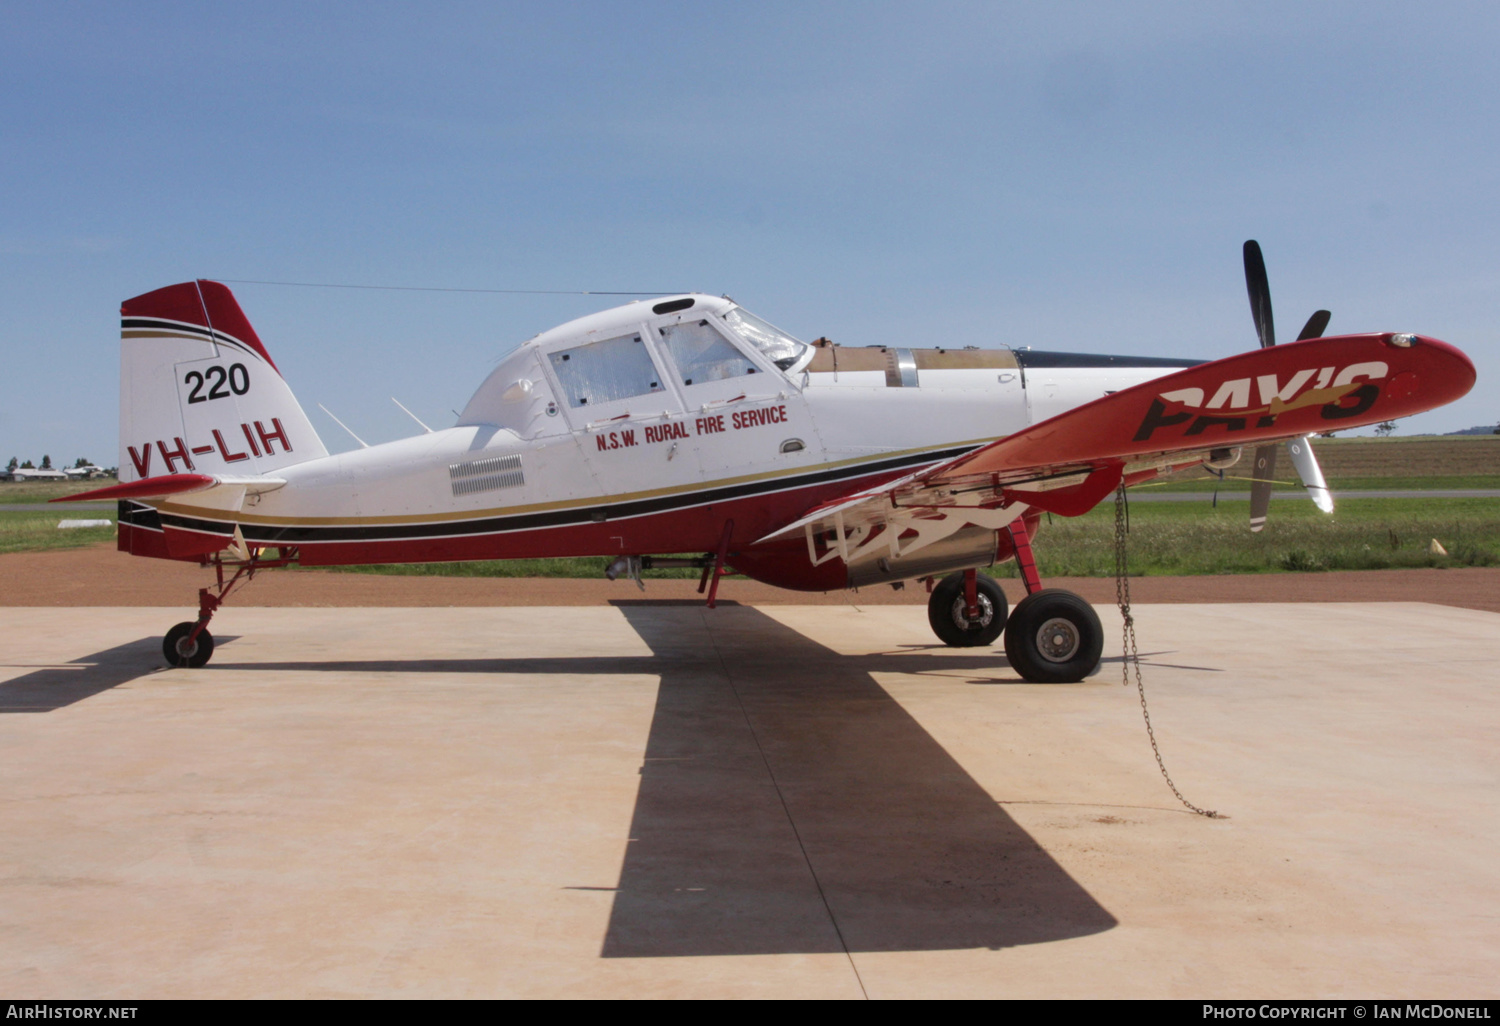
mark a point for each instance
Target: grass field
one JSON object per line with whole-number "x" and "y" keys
{"x": 33, "y": 532}
{"x": 1360, "y": 464}
{"x": 1198, "y": 482}
{"x": 25, "y": 531}
{"x": 1190, "y": 538}
{"x": 13, "y": 493}
{"x": 1166, "y": 538}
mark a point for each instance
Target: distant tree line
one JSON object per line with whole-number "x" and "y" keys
{"x": 46, "y": 464}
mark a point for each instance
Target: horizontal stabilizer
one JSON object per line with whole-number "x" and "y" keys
{"x": 176, "y": 484}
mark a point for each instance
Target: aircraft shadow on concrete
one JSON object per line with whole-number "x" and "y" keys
{"x": 788, "y": 804}
{"x": 61, "y": 684}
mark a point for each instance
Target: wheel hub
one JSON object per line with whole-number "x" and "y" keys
{"x": 985, "y": 618}
{"x": 1057, "y": 640}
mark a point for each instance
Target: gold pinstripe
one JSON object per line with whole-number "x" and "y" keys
{"x": 159, "y": 333}
{"x": 208, "y": 513}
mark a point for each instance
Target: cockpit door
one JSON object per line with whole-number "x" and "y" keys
{"x": 746, "y": 418}
{"x": 616, "y": 397}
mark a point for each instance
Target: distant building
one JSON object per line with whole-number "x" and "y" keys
{"x": 86, "y": 472}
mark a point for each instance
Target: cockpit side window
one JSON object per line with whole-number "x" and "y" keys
{"x": 600, "y": 372}
{"x": 702, "y": 354}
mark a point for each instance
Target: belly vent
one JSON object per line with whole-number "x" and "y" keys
{"x": 486, "y": 475}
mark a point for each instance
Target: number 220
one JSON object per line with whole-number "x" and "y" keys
{"x": 237, "y": 378}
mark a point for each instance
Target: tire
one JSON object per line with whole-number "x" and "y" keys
{"x": 173, "y": 647}
{"x": 1053, "y": 637}
{"x": 945, "y": 612}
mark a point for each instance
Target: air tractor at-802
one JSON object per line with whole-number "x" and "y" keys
{"x": 690, "y": 425}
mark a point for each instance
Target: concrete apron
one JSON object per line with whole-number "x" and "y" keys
{"x": 655, "y": 800}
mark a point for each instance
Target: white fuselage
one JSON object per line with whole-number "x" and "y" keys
{"x": 633, "y": 431}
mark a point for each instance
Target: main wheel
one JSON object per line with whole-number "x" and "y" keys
{"x": 945, "y": 612}
{"x": 1053, "y": 637}
{"x": 181, "y": 652}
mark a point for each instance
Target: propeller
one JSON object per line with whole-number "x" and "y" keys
{"x": 1300, "y": 449}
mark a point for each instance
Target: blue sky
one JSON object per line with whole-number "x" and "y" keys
{"x": 1067, "y": 175}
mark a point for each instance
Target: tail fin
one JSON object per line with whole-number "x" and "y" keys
{"x": 198, "y": 391}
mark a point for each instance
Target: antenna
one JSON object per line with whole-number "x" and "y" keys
{"x": 410, "y": 414}
{"x": 361, "y": 441}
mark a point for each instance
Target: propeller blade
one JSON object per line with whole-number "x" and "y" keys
{"x": 1260, "y": 486}
{"x": 1316, "y": 325}
{"x": 1259, "y": 288}
{"x": 1260, "y": 294}
{"x": 1306, "y": 463}
{"x": 1310, "y": 473}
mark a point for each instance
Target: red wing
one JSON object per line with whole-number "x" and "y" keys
{"x": 1299, "y": 388}
{"x": 1069, "y": 463}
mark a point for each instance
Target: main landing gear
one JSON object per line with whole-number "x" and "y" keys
{"x": 949, "y": 610}
{"x": 189, "y": 645}
{"x": 1051, "y": 637}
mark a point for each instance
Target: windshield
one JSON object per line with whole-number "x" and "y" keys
{"x": 781, "y": 348}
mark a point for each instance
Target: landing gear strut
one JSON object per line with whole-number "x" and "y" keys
{"x": 1051, "y": 637}
{"x": 189, "y": 644}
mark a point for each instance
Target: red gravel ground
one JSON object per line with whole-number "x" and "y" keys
{"x": 101, "y": 576}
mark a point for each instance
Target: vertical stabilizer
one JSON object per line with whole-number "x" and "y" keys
{"x": 198, "y": 391}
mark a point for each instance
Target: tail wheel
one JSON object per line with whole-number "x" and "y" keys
{"x": 945, "y": 612}
{"x": 179, "y": 651}
{"x": 1053, "y": 637}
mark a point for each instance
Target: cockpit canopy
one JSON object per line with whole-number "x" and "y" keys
{"x": 676, "y": 353}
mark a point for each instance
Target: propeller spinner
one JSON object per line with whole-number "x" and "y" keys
{"x": 1301, "y": 451}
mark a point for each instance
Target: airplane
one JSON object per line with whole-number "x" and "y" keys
{"x": 687, "y": 424}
